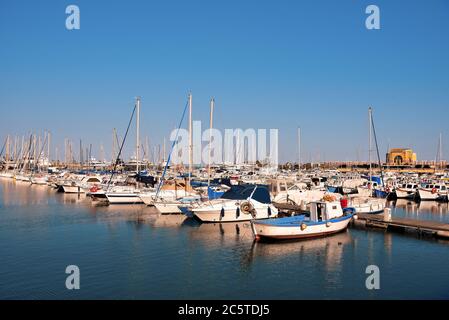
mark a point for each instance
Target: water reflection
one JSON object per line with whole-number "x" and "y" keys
{"x": 222, "y": 234}
{"x": 19, "y": 193}
{"x": 425, "y": 210}
{"x": 132, "y": 251}
{"x": 158, "y": 220}
{"x": 332, "y": 247}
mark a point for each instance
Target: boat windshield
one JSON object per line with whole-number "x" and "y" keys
{"x": 243, "y": 192}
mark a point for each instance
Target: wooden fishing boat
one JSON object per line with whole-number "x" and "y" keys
{"x": 325, "y": 218}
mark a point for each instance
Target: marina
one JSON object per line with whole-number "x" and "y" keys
{"x": 256, "y": 204}
{"x": 243, "y": 151}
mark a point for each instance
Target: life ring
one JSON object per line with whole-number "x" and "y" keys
{"x": 247, "y": 208}
{"x": 387, "y": 190}
{"x": 93, "y": 189}
{"x": 303, "y": 226}
{"x": 434, "y": 190}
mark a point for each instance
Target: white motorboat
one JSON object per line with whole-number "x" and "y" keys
{"x": 149, "y": 197}
{"x": 407, "y": 191}
{"x": 6, "y": 174}
{"x": 367, "y": 204}
{"x": 22, "y": 177}
{"x": 39, "y": 179}
{"x": 81, "y": 186}
{"x": 432, "y": 191}
{"x": 175, "y": 206}
{"x": 240, "y": 203}
{"x": 366, "y": 190}
{"x": 325, "y": 218}
{"x": 123, "y": 195}
{"x": 297, "y": 194}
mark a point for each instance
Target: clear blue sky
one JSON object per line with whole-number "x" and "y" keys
{"x": 269, "y": 64}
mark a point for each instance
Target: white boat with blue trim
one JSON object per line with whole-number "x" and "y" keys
{"x": 240, "y": 203}
{"x": 325, "y": 218}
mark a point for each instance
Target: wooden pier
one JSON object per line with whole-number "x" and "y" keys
{"x": 385, "y": 221}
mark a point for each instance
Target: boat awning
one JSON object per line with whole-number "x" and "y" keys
{"x": 244, "y": 191}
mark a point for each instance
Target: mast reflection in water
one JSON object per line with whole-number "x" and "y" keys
{"x": 132, "y": 252}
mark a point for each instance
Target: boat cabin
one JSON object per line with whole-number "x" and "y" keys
{"x": 370, "y": 184}
{"x": 319, "y": 181}
{"x": 324, "y": 210}
{"x": 282, "y": 186}
{"x": 91, "y": 179}
{"x": 438, "y": 187}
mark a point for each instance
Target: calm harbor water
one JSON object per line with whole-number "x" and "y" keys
{"x": 131, "y": 252}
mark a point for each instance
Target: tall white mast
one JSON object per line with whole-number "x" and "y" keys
{"x": 440, "y": 151}
{"x": 113, "y": 146}
{"x": 211, "y": 121}
{"x": 7, "y": 149}
{"x": 163, "y": 154}
{"x": 138, "y": 135}
{"x": 48, "y": 146}
{"x": 15, "y": 148}
{"x": 299, "y": 149}
{"x": 190, "y": 139}
{"x": 101, "y": 153}
{"x": 370, "y": 110}
{"x": 147, "y": 147}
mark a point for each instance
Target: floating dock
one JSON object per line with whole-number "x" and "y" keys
{"x": 385, "y": 221}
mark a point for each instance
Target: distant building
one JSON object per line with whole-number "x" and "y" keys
{"x": 400, "y": 157}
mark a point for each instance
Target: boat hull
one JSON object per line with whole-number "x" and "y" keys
{"x": 264, "y": 231}
{"x": 123, "y": 198}
{"x": 169, "y": 208}
{"x": 39, "y": 181}
{"x": 370, "y": 207}
{"x": 428, "y": 195}
{"x": 72, "y": 189}
{"x": 234, "y": 215}
{"x": 365, "y": 192}
{"x": 405, "y": 194}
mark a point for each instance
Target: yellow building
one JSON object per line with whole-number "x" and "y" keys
{"x": 401, "y": 157}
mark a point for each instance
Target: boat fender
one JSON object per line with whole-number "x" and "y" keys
{"x": 269, "y": 211}
{"x": 303, "y": 226}
{"x": 222, "y": 213}
{"x": 328, "y": 224}
{"x": 237, "y": 212}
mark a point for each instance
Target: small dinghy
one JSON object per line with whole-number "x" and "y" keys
{"x": 325, "y": 218}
